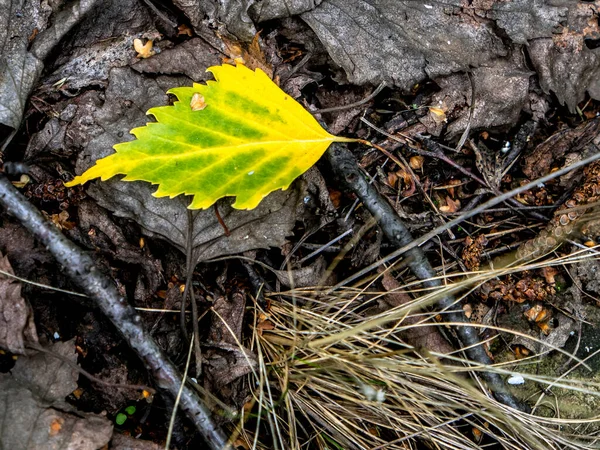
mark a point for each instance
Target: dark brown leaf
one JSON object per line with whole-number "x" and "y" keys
{"x": 16, "y": 318}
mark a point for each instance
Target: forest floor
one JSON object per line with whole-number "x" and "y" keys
{"x": 316, "y": 323}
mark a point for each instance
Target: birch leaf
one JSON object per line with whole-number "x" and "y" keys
{"x": 240, "y": 135}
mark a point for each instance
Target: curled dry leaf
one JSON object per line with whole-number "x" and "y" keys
{"x": 416, "y": 162}
{"x": 438, "y": 114}
{"x": 451, "y": 205}
{"x": 197, "y": 103}
{"x": 143, "y": 50}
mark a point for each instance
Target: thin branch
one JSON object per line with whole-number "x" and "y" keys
{"x": 80, "y": 267}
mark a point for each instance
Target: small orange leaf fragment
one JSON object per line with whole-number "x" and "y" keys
{"x": 77, "y": 393}
{"x": 437, "y": 114}
{"x": 184, "y": 30}
{"x": 266, "y": 325}
{"x": 521, "y": 352}
{"x": 197, "y": 103}
{"x": 56, "y": 426}
{"x": 451, "y": 206}
{"x": 143, "y": 50}
{"x": 416, "y": 162}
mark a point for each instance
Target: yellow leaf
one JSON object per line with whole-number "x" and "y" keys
{"x": 248, "y": 140}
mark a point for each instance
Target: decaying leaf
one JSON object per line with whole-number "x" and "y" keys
{"x": 422, "y": 337}
{"x": 35, "y": 414}
{"x": 16, "y": 317}
{"x": 251, "y": 139}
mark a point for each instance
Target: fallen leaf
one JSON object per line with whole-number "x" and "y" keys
{"x": 250, "y": 140}
{"x": 252, "y": 56}
{"x": 438, "y": 115}
{"x": 184, "y": 30}
{"x": 416, "y": 162}
{"x": 16, "y": 318}
{"x": 197, "y": 103}
{"x": 36, "y": 415}
{"x": 451, "y": 205}
{"x": 143, "y": 50}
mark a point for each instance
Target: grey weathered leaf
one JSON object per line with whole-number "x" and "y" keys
{"x": 402, "y": 42}
{"x": 565, "y": 64}
{"x": 524, "y": 20}
{"x": 34, "y": 413}
{"x": 103, "y": 39}
{"x": 47, "y": 377}
{"x": 501, "y": 92}
{"x": 263, "y": 227}
{"x": 232, "y": 15}
{"x": 190, "y": 58}
{"x": 19, "y": 69}
{"x": 16, "y": 317}
{"x": 275, "y": 9}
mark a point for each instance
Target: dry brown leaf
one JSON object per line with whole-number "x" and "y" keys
{"x": 16, "y": 318}
{"x": 416, "y": 162}
{"x": 251, "y": 56}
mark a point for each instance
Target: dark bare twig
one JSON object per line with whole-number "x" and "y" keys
{"x": 79, "y": 266}
{"x": 346, "y": 167}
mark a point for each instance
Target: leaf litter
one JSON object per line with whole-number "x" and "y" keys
{"x": 344, "y": 395}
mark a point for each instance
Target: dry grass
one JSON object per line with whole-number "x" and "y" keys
{"x": 330, "y": 377}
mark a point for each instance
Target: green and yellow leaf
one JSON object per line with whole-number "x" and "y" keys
{"x": 240, "y": 135}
